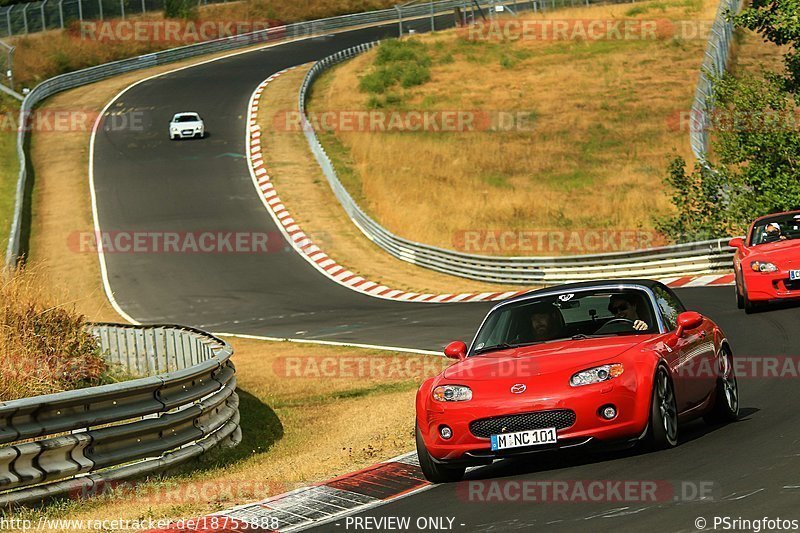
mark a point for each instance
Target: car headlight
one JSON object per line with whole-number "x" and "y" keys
{"x": 452, "y": 393}
{"x": 596, "y": 375}
{"x": 758, "y": 266}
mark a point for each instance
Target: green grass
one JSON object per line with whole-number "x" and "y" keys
{"x": 9, "y": 168}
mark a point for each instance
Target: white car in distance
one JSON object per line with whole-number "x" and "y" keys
{"x": 185, "y": 125}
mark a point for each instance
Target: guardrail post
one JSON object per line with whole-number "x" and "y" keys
{"x": 80, "y": 10}
{"x": 100, "y": 6}
{"x": 122, "y": 9}
{"x": 25, "y": 17}
{"x": 8, "y": 20}
{"x": 144, "y": 7}
{"x": 433, "y": 25}
{"x": 61, "y": 13}
{"x": 44, "y": 20}
{"x": 399, "y": 21}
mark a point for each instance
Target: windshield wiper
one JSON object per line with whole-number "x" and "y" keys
{"x": 501, "y": 346}
{"x": 506, "y": 346}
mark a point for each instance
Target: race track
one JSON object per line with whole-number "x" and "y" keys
{"x": 144, "y": 182}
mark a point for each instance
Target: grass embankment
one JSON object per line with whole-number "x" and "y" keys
{"x": 9, "y": 166}
{"x": 304, "y": 190}
{"x": 44, "y": 346}
{"x": 44, "y": 55}
{"x": 308, "y": 414}
{"x": 599, "y": 126}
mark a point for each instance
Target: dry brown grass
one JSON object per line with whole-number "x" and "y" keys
{"x": 603, "y": 131}
{"x": 43, "y": 55}
{"x": 305, "y": 191}
{"x": 297, "y": 430}
{"x": 44, "y": 347}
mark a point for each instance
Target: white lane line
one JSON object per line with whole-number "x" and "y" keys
{"x": 330, "y": 343}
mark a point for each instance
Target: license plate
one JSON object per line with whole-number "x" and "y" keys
{"x": 532, "y": 437}
{"x": 794, "y": 275}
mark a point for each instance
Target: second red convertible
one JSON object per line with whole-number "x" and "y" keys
{"x": 767, "y": 261}
{"x": 600, "y": 363}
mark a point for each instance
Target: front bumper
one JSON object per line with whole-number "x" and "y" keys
{"x": 588, "y": 430}
{"x": 186, "y": 134}
{"x": 764, "y": 286}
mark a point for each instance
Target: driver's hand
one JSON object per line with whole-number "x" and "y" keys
{"x": 640, "y": 325}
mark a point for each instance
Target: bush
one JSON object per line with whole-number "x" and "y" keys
{"x": 179, "y": 9}
{"x": 405, "y": 62}
{"x": 44, "y": 346}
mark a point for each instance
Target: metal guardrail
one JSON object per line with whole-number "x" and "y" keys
{"x": 715, "y": 62}
{"x": 697, "y": 258}
{"x": 92, "y": 74}
{"x": 77, "y": 441}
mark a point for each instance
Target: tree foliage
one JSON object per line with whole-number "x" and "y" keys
{"x": 756, "y": 143}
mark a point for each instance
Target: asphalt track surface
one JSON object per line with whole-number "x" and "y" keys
{"x": 144, "y": 182}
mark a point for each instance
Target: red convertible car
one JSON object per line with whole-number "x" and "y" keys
{"x": 598, "y": 363}
{"x": 767, "y": 261}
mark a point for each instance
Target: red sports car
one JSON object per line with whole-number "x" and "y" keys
{"x": 767, "y": 262}
{"x": 595, "y": 363}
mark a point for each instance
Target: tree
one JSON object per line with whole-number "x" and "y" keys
{"x": 757, "y": 143}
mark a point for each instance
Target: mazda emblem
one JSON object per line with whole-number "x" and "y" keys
{"x": 519, "y": 388}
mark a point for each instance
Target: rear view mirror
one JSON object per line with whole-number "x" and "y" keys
{"x": 687, "y": 321}
{"x": 738, "y": 242}
{"x": 456, "y": 350}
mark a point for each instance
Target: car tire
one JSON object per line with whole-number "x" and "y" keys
{"x": 435, "y": 472}
{"x": 749, "y": 305}
{"x": 663, "y": 426}
{"x": 726, "y": 393}
{"x": 739, "y": 297}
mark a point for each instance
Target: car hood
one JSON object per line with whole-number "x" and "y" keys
{"x": 192, "y": 124}
{"x": 543, "y": 359}
{"x": 780, "y": 253}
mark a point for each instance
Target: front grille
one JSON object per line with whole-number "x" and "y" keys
{"x": 558, "y": 418}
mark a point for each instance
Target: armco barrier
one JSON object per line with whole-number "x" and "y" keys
{"x": 697, "y": 258}
{"x": 715, "y": 62}
{"x": 74, "y": 442}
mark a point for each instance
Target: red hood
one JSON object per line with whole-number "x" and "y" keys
{"x": 782, "y": 253}
{"x": 540, "y": 359}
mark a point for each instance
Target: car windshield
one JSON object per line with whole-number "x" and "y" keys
{"x": 569, "y": 315}
{"x": 187, "y": 118}
{"x": 777, "y": 228}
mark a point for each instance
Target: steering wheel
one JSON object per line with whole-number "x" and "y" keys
{"x": 615, "y": 321}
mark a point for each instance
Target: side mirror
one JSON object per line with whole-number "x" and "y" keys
{"x": 456, "y": 350}
{"x": 688, "y": 320}
{"x": 738, "y": 242}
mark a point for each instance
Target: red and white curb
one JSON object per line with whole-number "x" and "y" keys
{"x": 319, "y": 504}
{"x": 304, "y": 246}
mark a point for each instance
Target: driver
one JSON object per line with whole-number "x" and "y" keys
{"x": 773, "y": 233}
{"x": 625, "y": 306}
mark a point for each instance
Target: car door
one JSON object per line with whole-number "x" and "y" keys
{"x": 694, "y": 354}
